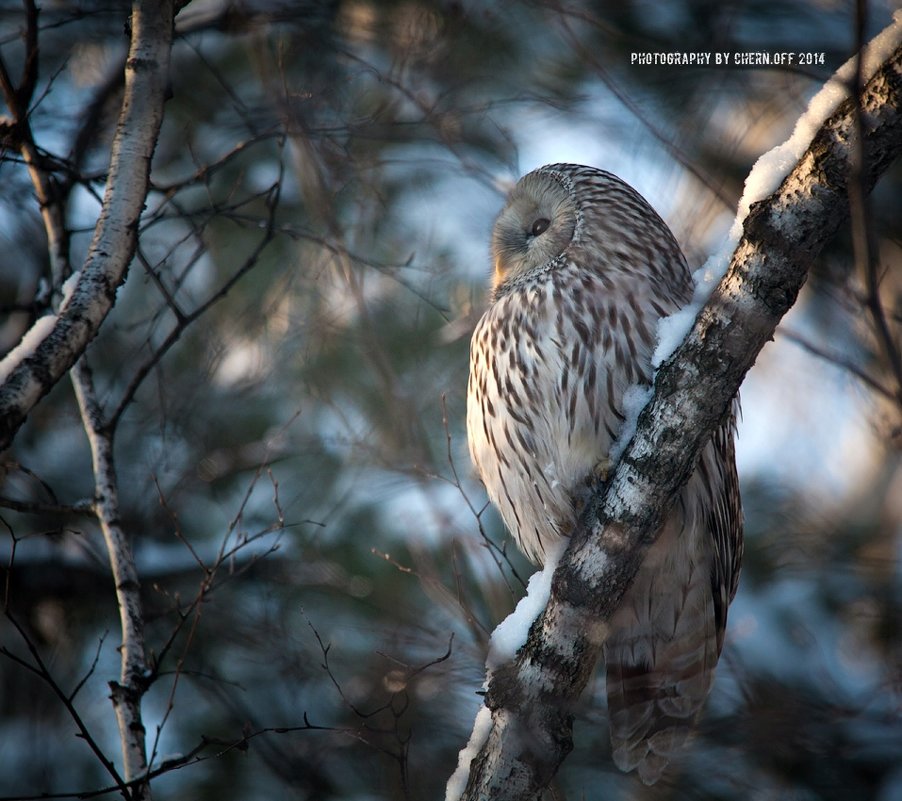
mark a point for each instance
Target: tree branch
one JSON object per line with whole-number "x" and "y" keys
{"x": 532, "y": 699}
{"x": 128, "y": 692}
{"x": 39, "y": 668}
{"x": 115, "y": 236}
{"x": 49, "y": 199}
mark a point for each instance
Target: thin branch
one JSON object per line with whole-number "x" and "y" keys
{"x": 834, "y": 357}
{"x": 50, "y": 200}
{"x": 40, "y": 668}
{"x": 192, "y": 757}
{"x": 497, "y": 553}
{"x": 90, "y": 671}
{"x": 884, "y": 336}
{"x": 189, "y": 617}
{"x": 37, "y": 507}
{"x": 187, "y": 318}
{"x": 128, "y": 692}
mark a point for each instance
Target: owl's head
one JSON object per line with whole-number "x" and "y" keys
{"x": 534, "y": 227}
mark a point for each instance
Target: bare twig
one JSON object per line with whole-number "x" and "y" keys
{"x": 192, "y": 757}
{"x": 187, "y": 319}
{"x": 39, "y": 668}
{"x": 498, "y": 553}
{"x": 836, "y": 358}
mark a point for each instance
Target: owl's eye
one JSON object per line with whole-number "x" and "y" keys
{"x": 539, "y": 226}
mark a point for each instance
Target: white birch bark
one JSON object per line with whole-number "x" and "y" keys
{"x": 115, "y": 235}
{"x": 128, "y": 692}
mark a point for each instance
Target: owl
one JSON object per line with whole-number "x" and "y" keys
{"x": 583, "y": 271}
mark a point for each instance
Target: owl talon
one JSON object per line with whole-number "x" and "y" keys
{"x": 602, "y": 470}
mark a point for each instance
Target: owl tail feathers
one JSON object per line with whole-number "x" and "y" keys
{"x": 652, "y": 708}
{"x": 650, "y": 754}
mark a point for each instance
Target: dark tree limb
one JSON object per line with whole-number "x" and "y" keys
{"x": 532, "y": 699}
{"x": 115, "y": 236}
{"x": 19, "y": 136}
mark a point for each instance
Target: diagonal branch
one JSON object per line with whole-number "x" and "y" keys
{"x": 40, "y": 668}
{"x": 30, "y": 372}
{"x": 531, "y": 700}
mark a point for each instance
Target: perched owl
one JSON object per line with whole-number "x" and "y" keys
{"x": 583, "y": 270}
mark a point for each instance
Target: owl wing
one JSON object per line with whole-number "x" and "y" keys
{"x": 668, "y": 634}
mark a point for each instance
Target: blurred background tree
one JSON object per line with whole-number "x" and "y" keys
{"x": 286, "y": 370}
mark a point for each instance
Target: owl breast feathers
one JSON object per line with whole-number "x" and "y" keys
{"x": 583, "y": 271}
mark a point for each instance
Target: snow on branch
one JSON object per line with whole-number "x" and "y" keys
{"x": 44, "y": 357}
{"x": 783, "y": 224}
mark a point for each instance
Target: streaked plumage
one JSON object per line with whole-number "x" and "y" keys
{"x": 583, "y": 270}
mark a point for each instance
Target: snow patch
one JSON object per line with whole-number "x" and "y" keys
{"x": 35, "y": 335}
{"x": 510, "y": 635}
{"x": 507, "y": 638}
{"x": 458, "y": 781}
{"x": 29, "y": 343}
{"x": 69, "y": 287}
{"x": 672, "y": 330}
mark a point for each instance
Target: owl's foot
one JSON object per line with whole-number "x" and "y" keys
{"x": 602, "y": 471}
{"x": 594, "y": 482}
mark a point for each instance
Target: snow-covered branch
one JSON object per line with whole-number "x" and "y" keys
{"x": 532, "y": 699}
{"x": 31, "y": 370}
